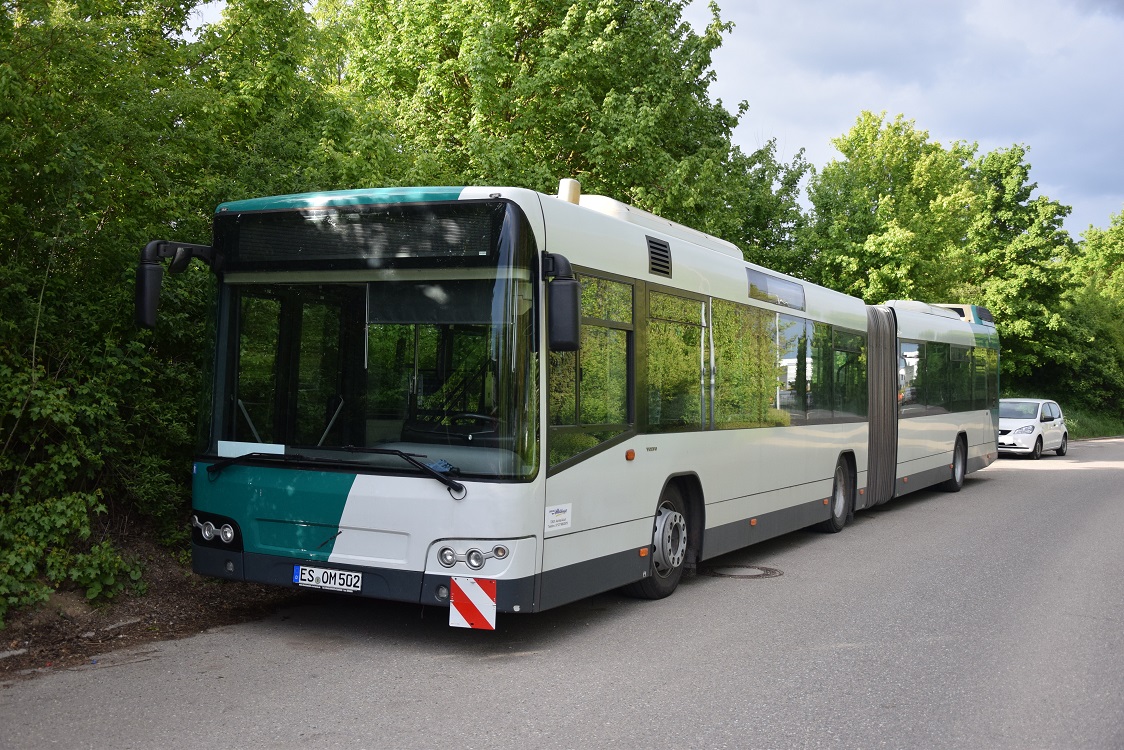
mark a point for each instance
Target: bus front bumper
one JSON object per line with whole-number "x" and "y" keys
{"x": 512, "y": 595}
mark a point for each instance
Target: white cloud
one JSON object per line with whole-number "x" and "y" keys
{"x": 1043, "y": 73}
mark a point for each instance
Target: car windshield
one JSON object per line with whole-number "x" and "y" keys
{"x": 1018, "y": 409}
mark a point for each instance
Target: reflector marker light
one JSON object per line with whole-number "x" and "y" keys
{"x": 643, "y": 551}
{"x": 629, "y": 454}
{"x": 753, "y": 522}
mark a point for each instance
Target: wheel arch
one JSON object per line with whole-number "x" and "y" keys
{"x": 852, "y": 464}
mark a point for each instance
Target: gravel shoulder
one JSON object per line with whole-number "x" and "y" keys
{"x": 67, "y": 631}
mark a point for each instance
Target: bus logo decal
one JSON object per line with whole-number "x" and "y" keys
{"x": 558, "y": 517}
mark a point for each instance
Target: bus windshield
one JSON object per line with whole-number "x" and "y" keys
{"x": 402, "y": 329}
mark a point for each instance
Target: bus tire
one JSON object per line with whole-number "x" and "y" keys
{"x": 669, "y": 548}
{"x": 842, "y": 497}
{"x": 959, "y": 467}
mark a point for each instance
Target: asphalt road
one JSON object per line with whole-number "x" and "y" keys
{"x": 992, "y": 618}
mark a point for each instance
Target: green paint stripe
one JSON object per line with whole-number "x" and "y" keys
{"x": 280, "y": 511}
{"x": 338, "y": 198}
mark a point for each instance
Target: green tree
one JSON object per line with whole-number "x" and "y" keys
{"x": 524, "y": 92}
{"x": 890, "y": 218}
{"x": 90, "y": 141}
{"x": 1095, "y": 305}
{"x": 768, "y": 215}
{"x": 1016, "y": 251}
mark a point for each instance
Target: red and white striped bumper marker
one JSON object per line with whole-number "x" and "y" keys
{"x": 472, "y": 603}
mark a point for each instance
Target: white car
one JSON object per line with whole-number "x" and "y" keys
{"x": 1028, "y": 426}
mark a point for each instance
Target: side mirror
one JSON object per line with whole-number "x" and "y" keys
{"x": 150, "y": 273}
{"x": 563, "y": 299}
{"x": 149, "y": 276}
{"x": 564, "y": 314}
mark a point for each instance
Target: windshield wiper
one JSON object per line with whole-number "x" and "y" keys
{"x": 412, "y": 459}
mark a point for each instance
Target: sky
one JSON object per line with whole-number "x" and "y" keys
{"x": 1045, "y": 74}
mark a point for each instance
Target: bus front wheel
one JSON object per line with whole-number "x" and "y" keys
{"x": 669, "y": 548}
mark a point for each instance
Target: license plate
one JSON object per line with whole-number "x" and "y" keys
{"x": 326, "y": 578}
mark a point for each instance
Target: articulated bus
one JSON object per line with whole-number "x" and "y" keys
{"x": 496, "y": 400}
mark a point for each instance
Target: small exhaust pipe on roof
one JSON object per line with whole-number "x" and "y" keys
{"x": 569, "y": 190}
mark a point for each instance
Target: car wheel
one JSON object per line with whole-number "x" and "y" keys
{"x": 1064, "y": 447}
{"x": 669, "y": 548}
{"x": 1037, "y": 452}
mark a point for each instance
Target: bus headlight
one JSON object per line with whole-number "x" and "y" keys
{"x": 226, "y": 533}
{"x": 208, "y": 531}
{"x": 475, "y": 558}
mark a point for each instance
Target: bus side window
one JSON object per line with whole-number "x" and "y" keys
{"x": 677, "y": 353}
{"x": 746, "y": 367}
{"x": 849, "y": 376}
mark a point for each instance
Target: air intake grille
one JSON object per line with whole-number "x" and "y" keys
{"x": 659, "y": 257}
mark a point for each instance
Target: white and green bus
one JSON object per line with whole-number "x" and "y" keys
{"x": 495, "y": 398}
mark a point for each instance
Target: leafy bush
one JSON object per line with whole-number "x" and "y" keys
{"x": 1084, "y": 423}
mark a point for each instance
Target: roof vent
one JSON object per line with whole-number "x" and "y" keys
{"x": 569, "y": 190}
{"x": 659, "y": 257}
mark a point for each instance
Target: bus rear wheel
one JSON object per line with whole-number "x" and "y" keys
{"x": 841, "y": 497}
{"x": 959, "y": 468}
{"x": 669, "y": 548}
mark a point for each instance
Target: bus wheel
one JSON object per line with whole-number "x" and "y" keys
{"x": 959, "y": 468}
{"x": 669, "y": 548}
{"x": 840, "y": 500}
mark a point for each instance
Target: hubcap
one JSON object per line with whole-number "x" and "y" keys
{"x": 670, "y": 541}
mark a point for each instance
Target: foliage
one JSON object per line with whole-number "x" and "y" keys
{"x": 1086, "y": 423}
{"x": 1017, "y": 246}
{"x": 611, "y": 92}
{"x": 1095, "y": 305}
{"x": 889, "y": 219}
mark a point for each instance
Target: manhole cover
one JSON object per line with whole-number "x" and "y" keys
{"x": 742, "y": 571}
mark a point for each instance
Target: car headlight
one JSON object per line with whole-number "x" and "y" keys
{"x": 1024, "y": 430}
